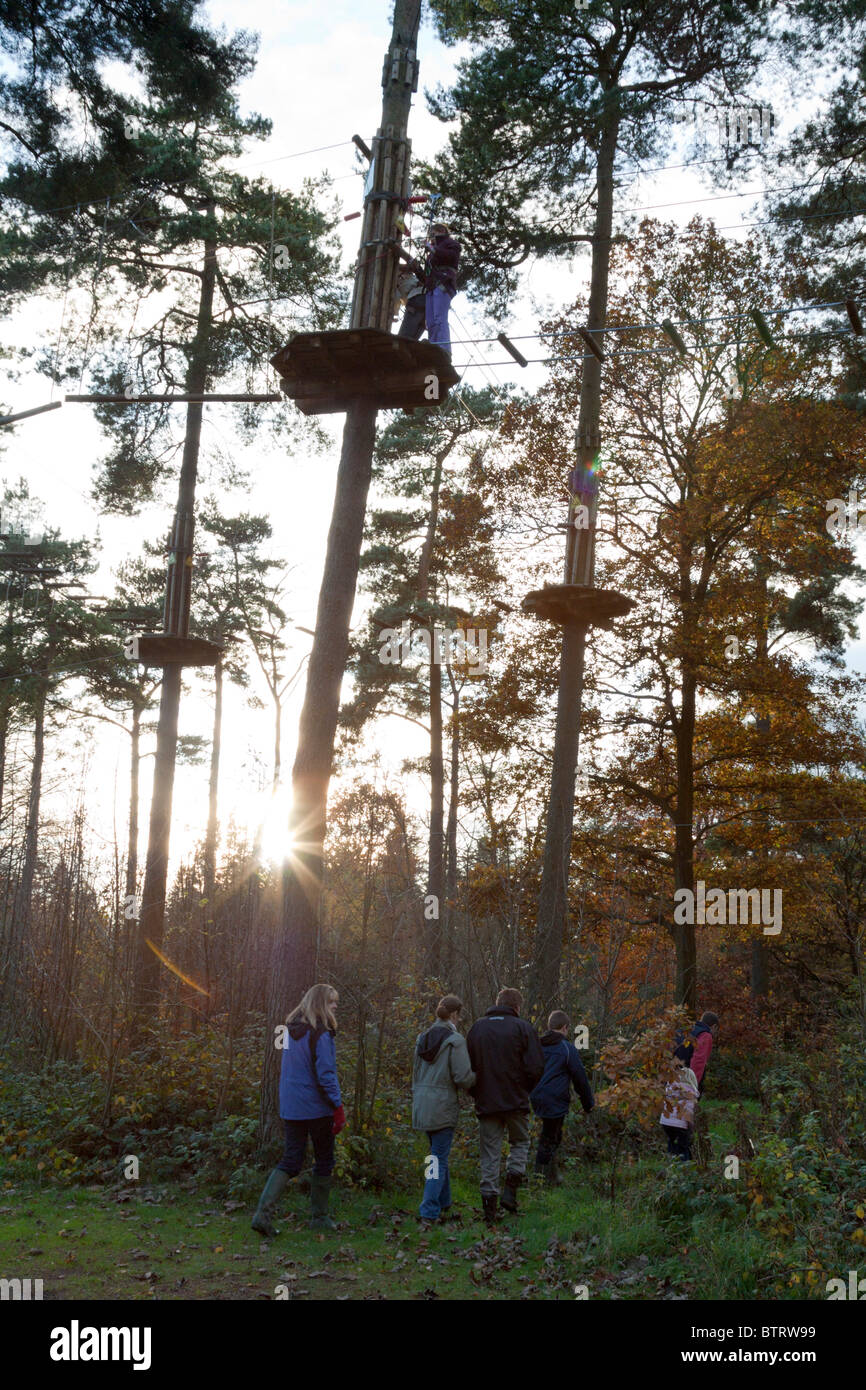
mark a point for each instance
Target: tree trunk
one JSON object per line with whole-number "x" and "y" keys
{"x": 436, "y": 864}
{"x": 176, "y": 622}
{"x": 375, "y": 275}
{"x": 31, "y": 833}
{"x": 210, "y": 842}
{"x": 579, "y": 564}
{"x": 685, "y": 985}
{"x": 294, "y": 967}
{"x": 4, "y": 733}
{"x": 278, "y": 741}
{"x": 553, "y": 896}
{"x": 451, "y": 834}
{"x": 431, "y": 935}
{"x": 23, "y": 906}
{"x": 760, "y": 972}
{"x": 132, "y": 831}
{"x": 311, "y": 773}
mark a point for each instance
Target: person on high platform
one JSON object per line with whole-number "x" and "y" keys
{"x": 441, "y": 283}
{"x": 439, "y": 278}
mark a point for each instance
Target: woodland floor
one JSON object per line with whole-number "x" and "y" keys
{"x": 162, "y": 1243}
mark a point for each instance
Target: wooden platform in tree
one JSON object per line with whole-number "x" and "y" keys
{"x": 327, "y": 372}
{"x": 11, "y": 557}
{"x": 161, "y": 649}
{"x": 562, "y": 603}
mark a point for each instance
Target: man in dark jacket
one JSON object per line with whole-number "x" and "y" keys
{"x": 552, "y": 1096}
{"x": 694, "y": 1051}
{"x": 507, "y": 1060}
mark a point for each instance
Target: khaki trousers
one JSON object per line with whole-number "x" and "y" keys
{"x": 492, "y": 1132}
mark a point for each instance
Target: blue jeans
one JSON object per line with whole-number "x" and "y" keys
{"x": 437, "y": 1189}
{"x": 438, "y": 304}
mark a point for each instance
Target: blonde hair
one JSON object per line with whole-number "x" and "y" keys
{"x": 316, "y": 1008}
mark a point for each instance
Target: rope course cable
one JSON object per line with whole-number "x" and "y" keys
{"x": 681, "y": 323}
{"x": 121, "y": 193}
{"x": 627, "y": 352}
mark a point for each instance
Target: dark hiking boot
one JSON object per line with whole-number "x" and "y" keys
{"x": 554, "y": 1177}
{"x": 273, "y": 1190}
{"x": 509, "y": 1195}
{"x": 489, "y": 1202}
{"x": 320, "y": 1191}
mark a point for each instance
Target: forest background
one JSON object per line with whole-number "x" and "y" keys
{"x": 722, "y": 720}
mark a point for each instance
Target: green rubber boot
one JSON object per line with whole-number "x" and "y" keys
{"x": 273, "y": 1190}
{"x": 320, "y": 1191}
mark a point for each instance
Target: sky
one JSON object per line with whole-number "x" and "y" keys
{"x": 318, "y": 80}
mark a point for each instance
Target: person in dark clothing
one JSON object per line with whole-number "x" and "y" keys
{"x": 507, "y": 1059}
{"x": 441, "y": 284}
{"x": 439, "y": 278}
{"x": 552, "y": 1096}
{"x": 411, "y": 291}
{"x": 694, "y": 1051}
{"x": 310, "y": 1107}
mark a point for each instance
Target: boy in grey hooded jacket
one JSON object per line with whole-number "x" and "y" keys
{"x": 441, "y": 1070}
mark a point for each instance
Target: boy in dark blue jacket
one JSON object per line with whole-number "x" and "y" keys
{"x": 552, "y": 1096}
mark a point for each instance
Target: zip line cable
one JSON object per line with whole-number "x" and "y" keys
{"x": 620, "y": 352}
{"x": 713, "y": 198}
{"x": 681, "y": 323}
{"x": 120, "y": 193}
{"x": 318, "y": 149}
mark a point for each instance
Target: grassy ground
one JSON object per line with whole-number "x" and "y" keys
{"x": 162, "y": 1243}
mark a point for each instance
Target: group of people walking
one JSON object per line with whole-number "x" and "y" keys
{"x": 691, "y": 1055}
{"x": 507, "y": 1069}
{"x": 502, "y": 1064}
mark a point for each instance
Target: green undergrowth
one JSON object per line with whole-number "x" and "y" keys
{"x": 773, "y": 1206}
{"x": 671, "y": 1233}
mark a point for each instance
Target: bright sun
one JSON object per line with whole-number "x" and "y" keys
{"x": 272, "y": 813}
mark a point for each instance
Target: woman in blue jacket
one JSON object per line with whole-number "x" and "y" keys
{"x": 551, "y": 1098}
{"x": 310, "y": 1106}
